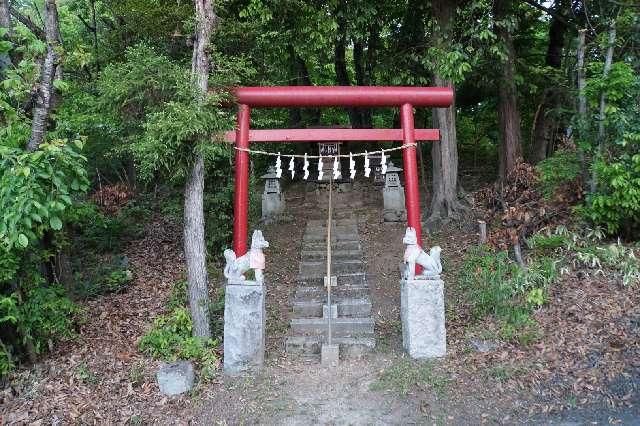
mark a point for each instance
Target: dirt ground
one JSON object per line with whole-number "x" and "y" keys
{"x": 584, "y": 370}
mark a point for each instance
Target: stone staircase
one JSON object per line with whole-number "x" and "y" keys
{"x": 352, "y": 329}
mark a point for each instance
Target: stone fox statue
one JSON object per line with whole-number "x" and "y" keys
{"x": 414, "y": 254}
{"x": 254, "y": 259}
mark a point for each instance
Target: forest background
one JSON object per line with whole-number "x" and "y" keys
{"x": 106, "y": 119}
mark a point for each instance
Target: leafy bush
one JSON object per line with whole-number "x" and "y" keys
{"x": 37, "y": 315}
{"x": 616, "y": 204}
{"x": 497, "y": 286}
{"x": 36, "y": 189}
{"x": 110, "y": 276}
{"x": 36, "y": 195}
{"x": 562, "y": 167}
{"x": 100, "y": 233}
{"x": 171, "y": 338}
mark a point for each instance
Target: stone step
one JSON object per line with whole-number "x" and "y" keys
{"x": 318, "y": 229}
{"x": 350, "y": 347}
{"x": 322, "y": 223}
{"x": 347, "y": 307}
{"x": 340, "y": 327}
{"x": 318, "y": 255}
{"x": 338, "y": 267}
{"x": 322, "y": 237}
{"x": 335, "y": 245}
{"x": 317, "y": 279}
{"x": 319, "y": 293}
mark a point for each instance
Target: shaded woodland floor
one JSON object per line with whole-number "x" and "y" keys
{"x": 585, "y": 368}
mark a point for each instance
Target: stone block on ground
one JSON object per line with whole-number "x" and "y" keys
{"x": 244, "y": 326}
{"x": 175, "y": 378}
{"x": 422, "y": 313}
{"x": 329, "y": 355}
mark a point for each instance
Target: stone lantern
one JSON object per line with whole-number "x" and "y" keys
{"x": 272, "y": 197}
{"x": 393, "y": 196}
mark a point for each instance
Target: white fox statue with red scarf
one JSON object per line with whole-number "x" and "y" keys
{"x": 254, "y": 259}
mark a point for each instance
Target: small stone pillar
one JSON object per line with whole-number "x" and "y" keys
{"x": 393, "y": 196}
{"x": 422, "y": 314}
{"x": 244, "y": 326}
{"x": 272, "y": 197}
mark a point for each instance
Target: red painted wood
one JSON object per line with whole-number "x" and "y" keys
{"x": 318, "y": 135}
{"x": 241, "y": 195}
{"x": 412, "y": 194}
{"x": 328, "y": 96}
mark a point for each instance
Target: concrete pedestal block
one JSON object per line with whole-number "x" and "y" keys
{"x": 394, "y": 207}
{"x": 272, "y": 206}
{"x": 422, "y": 312}
{"x": 244, "y": 326}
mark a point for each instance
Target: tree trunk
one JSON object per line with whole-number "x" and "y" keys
{"x": 300, "y": 71}
{"x": 444, "y": 202}
{"x": 361, "y": 80}
{"x": 340, "y": 63}
{"x": 508, "y": 112}
{"x": 194, "y": 244}
{"x": 544, "y": 124}
{"x": 45, "y": 88}
{"x": 582, "y": 100}
{"x": 603, "y": 102}
{"x": 5, "y": 22}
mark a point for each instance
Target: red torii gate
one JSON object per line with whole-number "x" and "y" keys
{"x": 332, "y": 96}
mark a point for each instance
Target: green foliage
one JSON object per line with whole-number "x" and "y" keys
{"x": 495, "y": 285}
{"x": 616, "y": 204}
{"x": 36, "y": 188}
{"x": 171, "y": 338}
{"x": 562, "y": 167}
{"x": 100, "y": 233}
{"x": 38, "y": 315}
{"x": 585, "y": 249}
{"x": 404, "y": 375}
{"x": 108, "y": 277}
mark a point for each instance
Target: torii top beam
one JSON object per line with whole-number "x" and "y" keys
{"x": 346, "y": 96}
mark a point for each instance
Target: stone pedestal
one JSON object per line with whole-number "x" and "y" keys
{"x": 244, "y": 326}
{"x": 393, "y": 202}
{"x": 422, "y": 313}
{"x": 272, "y": 206}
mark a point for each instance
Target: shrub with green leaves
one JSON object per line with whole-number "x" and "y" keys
{"x": 37, "y": 191}
{"x": 171, "y": 337}
{"x": 562, "y": 167}
{"x": 616, "y": 204}
{"x": 36, "y": 188}
{"x": 496, "y": 285}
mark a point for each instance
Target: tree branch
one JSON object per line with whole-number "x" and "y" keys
{"x": 27, "y": 22}
{"x": 548, "y": 11}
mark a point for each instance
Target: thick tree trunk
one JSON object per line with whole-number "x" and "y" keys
{"x": 45, "y": 88}
{"x": 5, "y": 22}
{"x": 603, "y": 102}
{"x": 300, "y": 71}
{"x": 544, "y": 125}
{"x": 444, "y": 153}
{"x": 508, "y": 112}
{"x": 194, "y": 244}
{"x": 361, "y": 80}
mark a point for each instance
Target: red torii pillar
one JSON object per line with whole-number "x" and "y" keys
{"x": 332, "y": 96}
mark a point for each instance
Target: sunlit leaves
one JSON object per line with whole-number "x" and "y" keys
{"x": 36, "y": 189}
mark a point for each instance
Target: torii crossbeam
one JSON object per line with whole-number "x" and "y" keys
{"x": 406, "y": 98}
